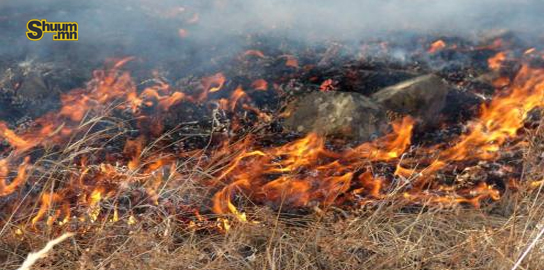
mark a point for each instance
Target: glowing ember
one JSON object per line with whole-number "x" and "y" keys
{"x": 291, "y": 61}
{"x": 496, "y": 61}
{"x": 260, "y": 84}
{"x": 183, "y": 33}
{"x": 327, "y": 85}
{"x": 255, "y": 53}
{"x": 437, "y": 46}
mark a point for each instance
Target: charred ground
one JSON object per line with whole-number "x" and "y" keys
{"x": 162, "y": 162}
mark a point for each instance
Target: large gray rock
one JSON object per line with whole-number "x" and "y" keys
{"x": 340, "y": 114}
{"x": 422, "y": 97}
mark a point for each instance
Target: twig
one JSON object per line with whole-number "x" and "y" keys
{"x": 529, "y": 248}
{"x": 34, "y": 256}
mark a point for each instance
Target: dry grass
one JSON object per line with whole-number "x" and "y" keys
{"x": 386, "y": 236}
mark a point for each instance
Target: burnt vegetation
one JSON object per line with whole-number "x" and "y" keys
{"x": 410, "y": 151}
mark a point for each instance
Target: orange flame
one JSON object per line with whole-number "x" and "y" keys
{"x": 236, "y": 96}
{"x": 291, "y": 61}
{"x": 498, "y": 122}
{"x": 6, "y": 189}
{"x": 327, "y": 85}
{"x": 259, "y": 84}
{"x": 437, "y": 46}
{"x": 496, "y": 61}
{"x": 251, "y": 170}
{"x": 213, "y": 83}
{"x": 255, "y": 53}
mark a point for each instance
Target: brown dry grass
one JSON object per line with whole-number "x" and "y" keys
{"x": 385, "y": 237}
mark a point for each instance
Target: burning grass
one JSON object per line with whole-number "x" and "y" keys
{"x": 229, "y": 196}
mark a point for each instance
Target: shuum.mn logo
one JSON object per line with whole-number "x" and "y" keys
{"x": 61, "y": 30}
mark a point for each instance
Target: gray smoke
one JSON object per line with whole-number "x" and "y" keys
{"x": 355, "y": 19}
{"x": 150, "y": 28}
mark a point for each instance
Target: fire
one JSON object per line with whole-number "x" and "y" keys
{"x": 183, "y": 33}
{"x": 388, "y": 147}
{"x": 13, "y": 139}
{"x": 6, "y": 189}
{"x": 133, "y": 148}
{"x": 470, "y": 196}
{"x": 94, "y": 200}
{"x": 370, "y": 185}
{"x": 437, "y": 46}
{"x": 255, "y": 53}
{"x": 499, "y": 121}
{"x": 327, "y": 85}
{"x": 496, "y": 61}
{"x": 57, "y": 128}
{"x": 47, "y": 202}
{"x": 53, "y": 128}
{"x": 260, "y": 84}
{"x": 309, "y": 171}
{"x": 236, "y": 96}
{"x": 291, "y": 61}
{"x": 212, "y": 84}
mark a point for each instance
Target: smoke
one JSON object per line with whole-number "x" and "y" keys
{"x": 151, "y": 29}
{"x": 355, "y": 19}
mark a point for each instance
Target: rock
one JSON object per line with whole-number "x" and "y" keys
{"x": 423, "y": 98}
{"x": 33, "y": 87}
{"x": 340, "y": 114}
